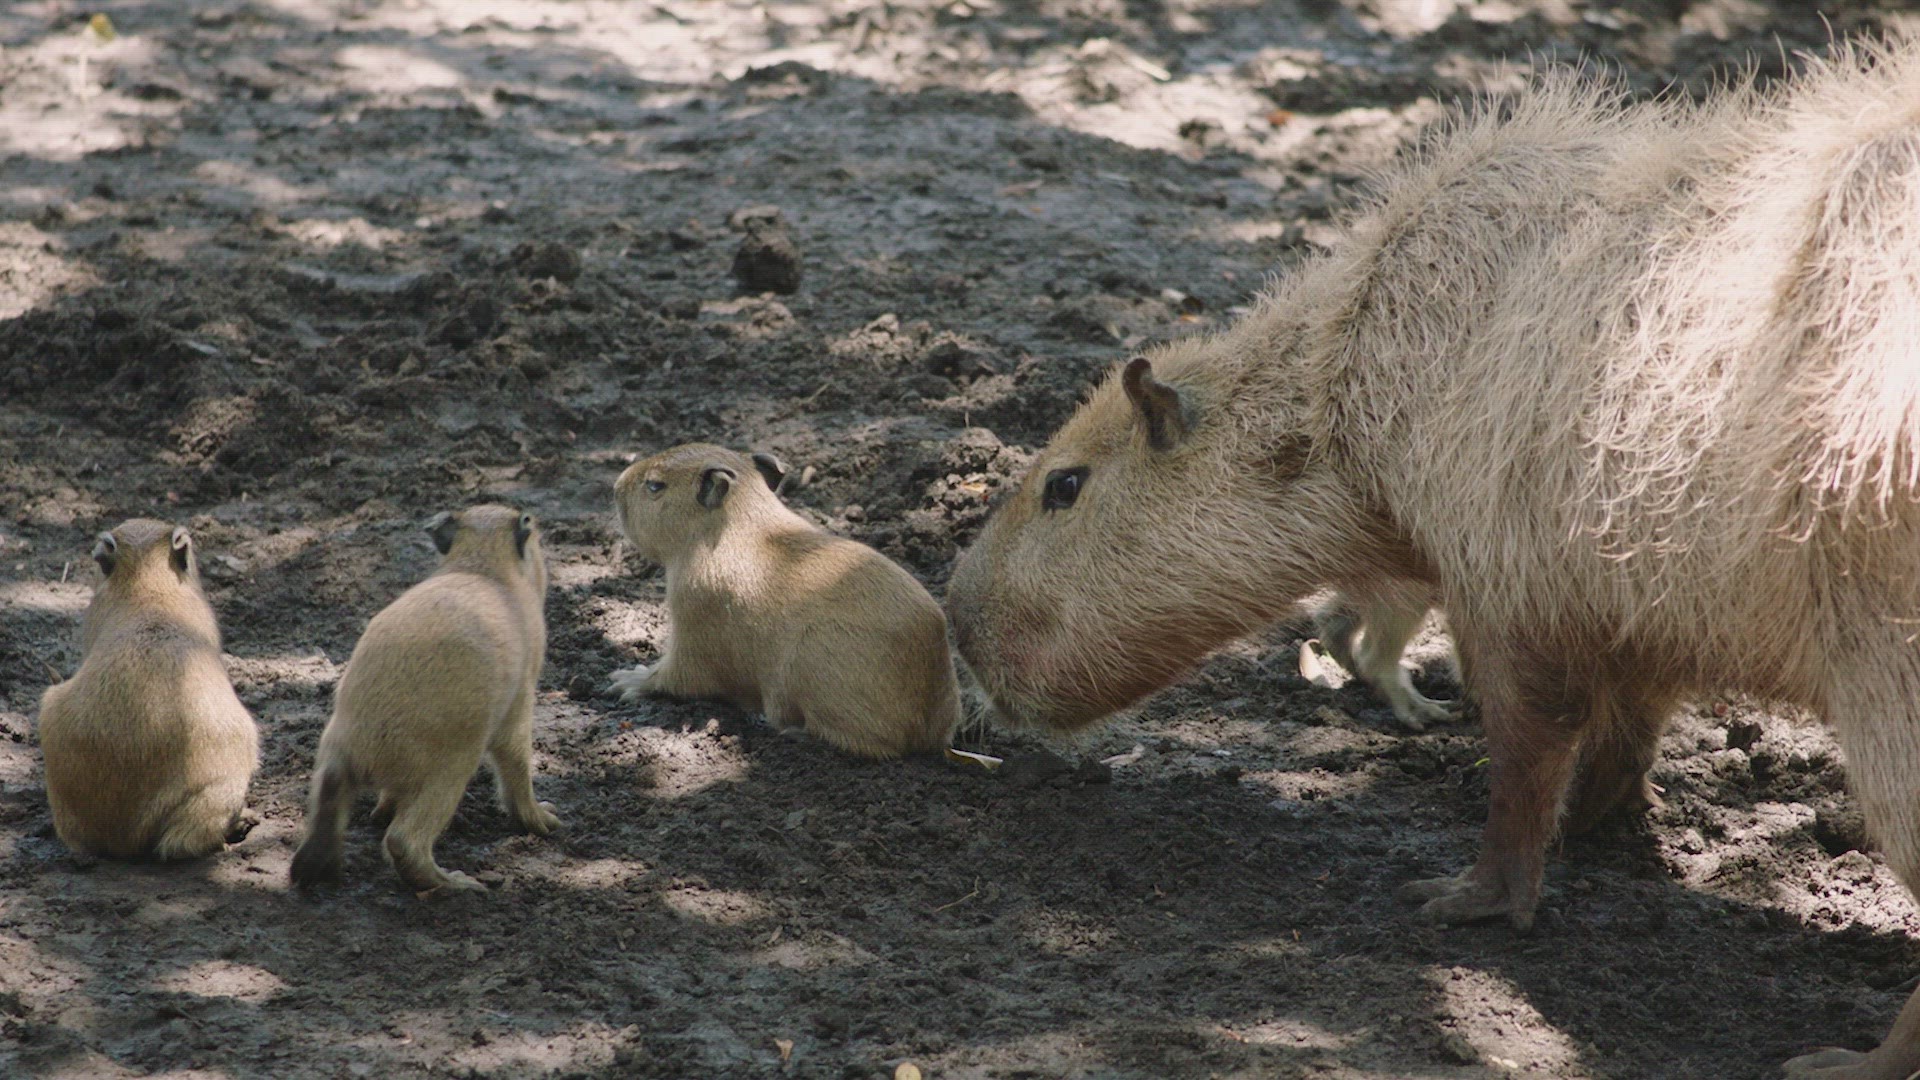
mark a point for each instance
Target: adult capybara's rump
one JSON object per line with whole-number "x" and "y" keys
{"x": 1632, "y": 391}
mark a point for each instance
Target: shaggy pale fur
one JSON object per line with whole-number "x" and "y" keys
{"x": 776, "y": 616}
{"x": 148, "y": 751}
{"x": 444, "y": 677}
{"x": 1634, "y": 390}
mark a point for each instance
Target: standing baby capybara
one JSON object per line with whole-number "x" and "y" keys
{"x": 1634, "y": 391}
{"x": 769, "y": 612}
{"x": 148, "y": 750}
{"x": 443, "y": 678}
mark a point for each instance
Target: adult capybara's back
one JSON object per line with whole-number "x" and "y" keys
{"x": 1633, "y": 390}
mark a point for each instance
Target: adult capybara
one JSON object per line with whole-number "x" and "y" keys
{"x": 1631, "y": 391}
{"x": 777, "y": 616}
{"x": 148, "y": 750}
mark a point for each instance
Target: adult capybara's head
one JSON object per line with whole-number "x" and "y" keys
{"x": 688, "y": 495}
{"x": 1181, "y": 507}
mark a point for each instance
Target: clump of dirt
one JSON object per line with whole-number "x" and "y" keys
{"x": 300, "y": 278}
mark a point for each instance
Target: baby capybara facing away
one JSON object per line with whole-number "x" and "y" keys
{"x": 1632, "y": 391}
{"x": 148, "y": 751}
{"x": 443, "y": 678}
{"x": 775, "y": 615}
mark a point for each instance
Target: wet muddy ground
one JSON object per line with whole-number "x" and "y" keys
{"x": 299, "y": 273}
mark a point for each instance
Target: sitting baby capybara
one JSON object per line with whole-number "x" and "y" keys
{"x": 771, "y": 613}
{"x": 148, "y": 750}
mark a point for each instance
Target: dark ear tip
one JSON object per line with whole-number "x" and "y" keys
{"x": 771, "y": 469}
{"x": 441, "y": 528}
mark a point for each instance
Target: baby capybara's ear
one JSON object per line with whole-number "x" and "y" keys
{"x": 106, "y": 550}
{"x": 442, "y": 527}
{"x": 772, "y": 470}
{"x": 182, "y": 554}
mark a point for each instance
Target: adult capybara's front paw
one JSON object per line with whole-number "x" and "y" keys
{"x": 1835, "y": 1064}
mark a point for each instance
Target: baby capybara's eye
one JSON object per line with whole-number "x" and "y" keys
{"x": 1063, "y": 487}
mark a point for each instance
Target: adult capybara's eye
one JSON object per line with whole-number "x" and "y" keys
{"x": 655, "y": 487}
{"x": 1063, "y": 487}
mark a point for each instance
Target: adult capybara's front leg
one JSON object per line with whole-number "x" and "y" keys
{"x": 1897, "y": 1058}
{"x": 1532, "y": 742}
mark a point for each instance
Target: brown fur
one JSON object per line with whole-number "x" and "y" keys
{"x": 443, "y": 677}
{"x": 1633, "y": 390}
{"x": 776, "y": 616}
{"x": 148, "y": 751}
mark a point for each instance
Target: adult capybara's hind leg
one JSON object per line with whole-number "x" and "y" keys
{"x": 1532, "y": 741}
{"x": 1625, "y": 722}
{"x": 1875, "y": 712}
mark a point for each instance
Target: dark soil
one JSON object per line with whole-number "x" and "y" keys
{"x": 300, "y": 273}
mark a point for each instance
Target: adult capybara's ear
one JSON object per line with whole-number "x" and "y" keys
{"x": 1159, "y": 405}
{"x": 714, "y": 485}
{"x": 772, "y": 469}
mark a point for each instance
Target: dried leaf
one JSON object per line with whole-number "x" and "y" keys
{"x": 785, "y": 1046}
{"x": 1316, "y": 669}
{"x": 968, "y": 757}
{"x": 101, "y": 27}
{"x": 906, "y": 1070}
{"x": 1279, "y": 117}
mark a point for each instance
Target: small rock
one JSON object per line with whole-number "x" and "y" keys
{"x": 1458, "y": 1049}
{"x": 1840, "y": 830}
{"x": 1853, "y": 866}
{"x": 582, "y": 688}
{"x": 1034, "y": 767}
{"x": 953, "y": 358}
{"x": 545, "y": 259}
{"x": 768, "y": 260}
{"x": 1743, "y": 733}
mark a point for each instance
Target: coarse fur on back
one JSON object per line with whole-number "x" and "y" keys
{"x": 148, "y": 751}
{"x": 443, "y": 678}
{"x": 768, "y": 611}
{"x": 1631, "y": 390}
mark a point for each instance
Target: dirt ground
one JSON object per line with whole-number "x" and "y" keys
{"x": 299, "y": 273}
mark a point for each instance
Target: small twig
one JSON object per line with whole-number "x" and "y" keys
{"x": 957, "y": 903}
